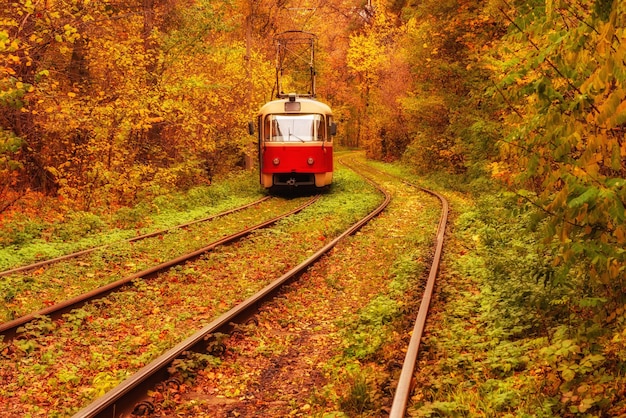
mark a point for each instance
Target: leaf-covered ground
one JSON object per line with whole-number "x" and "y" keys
{"x": 333, "y": 343}
{"x": 29, "y": 291}
{"x": 501, "y": 339}
{"x": 57, "y": 367}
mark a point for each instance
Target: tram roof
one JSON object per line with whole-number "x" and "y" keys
{"x": 307, "y": 105}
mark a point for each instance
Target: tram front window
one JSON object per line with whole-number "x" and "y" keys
{"x": 296, "y": 128}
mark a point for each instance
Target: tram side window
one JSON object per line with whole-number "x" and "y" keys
{"x": 319, "y": 129}
{"x": 329, "y": 128}
{"x": 277, "y": 135}
{"x": 266, "y": 129}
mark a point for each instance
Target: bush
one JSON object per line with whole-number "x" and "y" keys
{"x": 21, "y": 231}
{"x": 80, "y": 224}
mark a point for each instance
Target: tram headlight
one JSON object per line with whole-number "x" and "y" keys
{"x": 276, "y": 161}
{"x": 310, "y": 161}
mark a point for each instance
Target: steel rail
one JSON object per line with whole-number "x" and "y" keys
{"x": 133, "y": 239}
{"x": 9, "y": 329}
{"x": 403, "y": 390}
{"x": 121, "y": 400}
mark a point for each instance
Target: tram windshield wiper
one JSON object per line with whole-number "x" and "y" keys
{"x": 295, "y": 136}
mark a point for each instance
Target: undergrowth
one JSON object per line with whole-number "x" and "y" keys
{"x": 510, "y": 337}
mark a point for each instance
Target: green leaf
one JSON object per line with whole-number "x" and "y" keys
{"x": 617, "y": 210}
{"x": 589, "y": 196}
{"x": 568, "y": 374}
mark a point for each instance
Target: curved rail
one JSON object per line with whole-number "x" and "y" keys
{"x": 137, "y": 238}
{"x": 403, "y": 390}
{"x": 122, "y": 399}
{"x": 9, "y": 329}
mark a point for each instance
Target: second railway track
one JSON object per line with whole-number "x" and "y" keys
{"x": 29, "y": 289}
{"x": 44, "y": 263}
{"x": 10, "y": 328}
{"x": 403, "y": 388}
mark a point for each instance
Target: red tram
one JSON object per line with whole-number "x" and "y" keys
{"x": 295, "y": 143}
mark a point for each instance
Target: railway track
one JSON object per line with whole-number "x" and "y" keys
{"x": 131, "y": 396}
{"x": 10, "y": 329}
{"x": 29, "y": 289}
{"x": 126, "y": 396}
{"x": 403, "y": 390}
{"x": 106, "y": 340}
{"x": 132, "y": 393}
{"x": 86, "y": 251}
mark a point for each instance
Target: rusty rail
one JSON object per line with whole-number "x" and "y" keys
{"x": 403, "y": 390}
{"x": 137, "y": 238}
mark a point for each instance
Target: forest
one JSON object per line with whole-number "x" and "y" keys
{"x": 521, "y": 104}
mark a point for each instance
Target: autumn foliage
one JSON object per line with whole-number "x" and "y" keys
{"x": 561, "y": 77}
{"x": 107, "y": 102}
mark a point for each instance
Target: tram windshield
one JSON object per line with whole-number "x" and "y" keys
{"x": 294, "y": 128}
